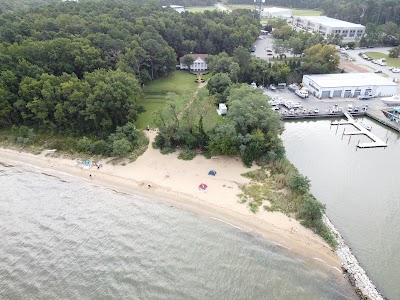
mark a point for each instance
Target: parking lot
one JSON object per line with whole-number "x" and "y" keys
{"x": 354, "y": 63}
{"x": 323, "y": 105}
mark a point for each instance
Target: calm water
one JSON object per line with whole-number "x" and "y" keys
{"x": 361, "y": 190}
{"x": 66, "y": 239}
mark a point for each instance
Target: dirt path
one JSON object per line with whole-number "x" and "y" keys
{"x": 201, "y": 85}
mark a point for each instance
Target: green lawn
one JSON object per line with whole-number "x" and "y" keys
{"x": 391, "y": 62}
{"x": 306, "y": 12}
{"x": 199, "y": 9}
{"x": 180, "y": 82}
{"x": 240, "y": 6}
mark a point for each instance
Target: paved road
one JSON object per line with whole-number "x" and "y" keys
{"x": 368, "y": 64}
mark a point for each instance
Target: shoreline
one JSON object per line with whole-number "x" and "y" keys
{"x": 175, "y": 182}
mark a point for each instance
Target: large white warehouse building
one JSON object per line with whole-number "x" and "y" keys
{"x": 350, "y": 32}
{"x": 348, "y": 85}
{"x": 276, "y": 12}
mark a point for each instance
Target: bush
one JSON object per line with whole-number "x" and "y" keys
{"x": 56, "y": 144}
{"x": 187, "y": 154}
{"x": 253, "y": 207}
{"x": 159, "y": 141}
{"x": 121, "y": 147}
{"x": 299, "y": 183}
{"x": 100, "y": 148}
{"x": 23, "y": 135}
{"x": 71, "y": 144}
{"x": 84, "y": 145}
{"x": 311, "y": 212}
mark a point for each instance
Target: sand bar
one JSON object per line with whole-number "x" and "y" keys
{"x": 176, "y": 182}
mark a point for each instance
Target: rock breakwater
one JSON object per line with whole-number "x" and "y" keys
{"x": 356, "y": 274}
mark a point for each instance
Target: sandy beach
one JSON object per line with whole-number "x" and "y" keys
{"x": 166, "y": 178}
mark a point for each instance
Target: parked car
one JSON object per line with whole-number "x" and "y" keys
{"x": 365, "y": 97}
{"x": 272, "y": 87}
{"x": 396, "y": 70}
{"x": 350, "y": 107}
{"x": 378, "y": 71}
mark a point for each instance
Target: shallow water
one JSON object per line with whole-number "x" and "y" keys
{"x": 67, "y": 239}
{"x": 360, "y": 188}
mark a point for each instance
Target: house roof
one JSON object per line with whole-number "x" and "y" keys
{"x": 195, "y": 56}
{"x": 350, "y": 79}
{"x": 326, "y": 21}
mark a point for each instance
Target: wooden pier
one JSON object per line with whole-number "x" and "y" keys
{"x": 376, "y": 142}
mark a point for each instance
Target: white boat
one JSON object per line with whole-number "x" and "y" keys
{"x": 394, "y": 100}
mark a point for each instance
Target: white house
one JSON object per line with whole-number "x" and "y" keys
{"x": 199, "y": 63}
{"x": 350, "y": 32}
{"x": 346, "y": 85}
{"x": 178, "y": 8}
{"x": 276, "y": 12}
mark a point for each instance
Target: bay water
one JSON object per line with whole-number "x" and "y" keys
{"x": 63, "y": 238}
{"x": 361, "y": 189}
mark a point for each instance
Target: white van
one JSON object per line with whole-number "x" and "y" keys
{"x": 301, "y": 93}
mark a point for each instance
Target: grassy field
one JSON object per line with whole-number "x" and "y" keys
{"x": 240, "y": 6}
{"x": 180, "y": 82}
{"x": 199, "y": 9}
{"x": 306, "y": 12}
{"x": 391, "y": 62}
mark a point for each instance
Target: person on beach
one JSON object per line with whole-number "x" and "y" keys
{"x": 90, "y": 175}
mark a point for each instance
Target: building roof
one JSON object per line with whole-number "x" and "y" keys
{"x": 350, "y": 79}
{"x": 277, "y": 10}
{"x": 195, "y": 56}
{"x": 326, "y": 21}
{"x": 176, "y": 6}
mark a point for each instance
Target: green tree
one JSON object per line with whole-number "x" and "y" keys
{"x": 217, "y": 85}
{"x": 121, "y": 147}
{"x": 320, "y": 59}
{"x": 188, "y": 60}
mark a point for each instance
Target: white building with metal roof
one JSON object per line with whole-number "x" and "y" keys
{"x": 276, "y": 12}
{"x": 350, "y": 32}
{"x": 348, "y": 85}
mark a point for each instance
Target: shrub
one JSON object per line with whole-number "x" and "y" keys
{"x": 56, "y": 144}
{"x": 299, "y": 183}
{"x": 84, "y": 145}
{"x": 311, "y": 212}
{"x": 121, "y": 147}
{"x": 253, "y": 207}
{"x": 100, "y": 148}
{"x": 187, "y": 154}
{"x": 159, "y": 141}
{"x": 71, "y": 144}
{"x": 23, "y": 135}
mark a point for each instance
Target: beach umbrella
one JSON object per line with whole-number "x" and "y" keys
{"x": 202, "y": 186}
{"x": 212, "y": 172}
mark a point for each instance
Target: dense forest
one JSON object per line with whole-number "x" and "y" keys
{"x": 6, "y": 5}
{"x": 87, "y": 61}
{"x": 357, "y": 11}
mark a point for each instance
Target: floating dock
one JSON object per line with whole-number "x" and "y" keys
{"x": 300, "y": 116}
{"x": 376, "y": 142}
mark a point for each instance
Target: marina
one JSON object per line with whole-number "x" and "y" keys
{"x": 361, "y": 130}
